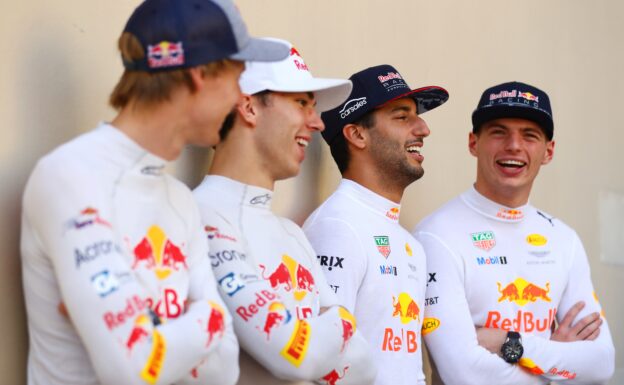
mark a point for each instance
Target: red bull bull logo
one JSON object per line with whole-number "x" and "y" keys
{"x": 140, "y": 331}
{"x": 216, "y": 323}
{"x": 156, "y": 252}
{"x": 522, "y": 292}
{"x": 405, "y": 308}
{"x": 393, "y": 213}
{"x": 509, "y": 214}
{"x": 297, "y": 347}
{"x": 165, "y": 54}
{"x": 528, "y": 96}
{"x": 277, "y": 315}
{"x": 87, "y": 217}
{"x": 348, "y": 326}
{"x": 289, "y": 275}
{"x": 333, "y": 377}
{"x": 383, "y": 245}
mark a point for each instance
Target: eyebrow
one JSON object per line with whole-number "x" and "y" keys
{"x": 401, "y": 108}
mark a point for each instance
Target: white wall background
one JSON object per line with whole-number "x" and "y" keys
{"x": 59, "y": 64}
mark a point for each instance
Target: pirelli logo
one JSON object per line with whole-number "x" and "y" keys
{"x": 151, "y": 371}
{"x": 297, "y": 347}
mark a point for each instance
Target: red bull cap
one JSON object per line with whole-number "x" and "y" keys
{"x": 182, "y": 34}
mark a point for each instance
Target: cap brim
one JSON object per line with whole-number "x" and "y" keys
{"x": 262, "y": 50}
{"x": 520, "y": 111}
{"x": 426, "y": 98}
{"x": 328, "y": 93}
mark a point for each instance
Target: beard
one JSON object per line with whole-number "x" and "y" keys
{"x": 391, "y": 160}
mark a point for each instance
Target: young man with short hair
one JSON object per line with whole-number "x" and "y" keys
{"x": 502, "y": 273}
{"x": 117, "y": 280}
{"x": 286, "y": 317}
{"x": 373, "y": 264}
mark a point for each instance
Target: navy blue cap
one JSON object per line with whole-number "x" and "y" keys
{"x": 188, "y": 33}
{"x": 372, "y": 88}
{"x": 514, "y": 100}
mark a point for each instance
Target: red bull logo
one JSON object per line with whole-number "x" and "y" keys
{"x": 388, "y": 77}
{"x": 504, "y": 94}
{"x": 405, "y": 308}
{"x": 263, "y": 298}
{"x": 156, "y": 252}
{"x": 216, "y": 323}
{"x": 277, "y": 315}
{"x": 383, "y": 245}
{"x": 140, "y": 331}
{"x": 525, "y": 321}
{"x": 213, "y": 232}
{"x": 528, "y": 96}
{"x": 134, "y": 307}
{"x": 333, "y": 377}
{"x": 522, "y": 292}
{"x": 393, "y": 213}
{"x": 562, "y": 373}
{"x": 165, "y": 54}
{"x": 297, "y": 347}
{"x": 289, "y": 275}
{"x": 509, "y": 214}
{"x": 348, "y": 326}
{"x": 87, "y": 217}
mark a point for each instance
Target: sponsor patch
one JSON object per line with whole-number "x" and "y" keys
{"x": 383, "y": 245}
{"x": 153, "y": 367}
{"x": 522, "y": 292}
{"x": 497, "y": 260}
{"x": 104, "y": 283}
{"x": 231, "y": 284}
{"x": 405, "y": 308}
{"x": 429, "y": 325}
{"x": 155, "y": 251}
{"x": 165, "y": 54}
{"x": 330, "y": 262}
{"x": 408, "y": 249}
{"x": 536, "y": 240}
{"x": 297, "y": 346}
{"x": 484, "y": 240}
{"x": 87, "y": 217}
{"x": 351, "y": 106}
{"x": 388, "y": 270}
{"x": 393, "y": 213}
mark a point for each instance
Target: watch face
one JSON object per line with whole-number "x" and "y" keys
{"x": 512, "y": 351}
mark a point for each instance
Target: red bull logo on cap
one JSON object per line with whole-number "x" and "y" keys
{"x": 528, "y": 96}
{"x": 405, "y": 308}
{"x": 522, "y": 292}
{"x": 383, "y": 245}
{"x": 165, "y": 54}
{"x": 290, "y": 275}
{"x": 156, "y": 252}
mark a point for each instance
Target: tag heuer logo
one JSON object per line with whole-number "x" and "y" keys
{"x": 484, "y": 240}
{"x": 383, "y": 245}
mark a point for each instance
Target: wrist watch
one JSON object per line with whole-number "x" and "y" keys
{"x": 512, "y": 349}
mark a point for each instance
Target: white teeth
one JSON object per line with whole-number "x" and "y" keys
{"x": 302, "y": 142}
{"x": 511, "y": 163}
{"x": 415, "y": 149}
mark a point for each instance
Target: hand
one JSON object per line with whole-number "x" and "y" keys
{"x": 586, "y": 329}
{"x": 491, "y": 339}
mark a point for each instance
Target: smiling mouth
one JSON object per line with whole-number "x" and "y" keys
{"x": 414, "y": 149}
{"x": 303, "y": 142}
{"x": 511, "y": 163}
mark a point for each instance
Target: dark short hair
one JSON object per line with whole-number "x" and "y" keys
{"x": 338, "y": 146}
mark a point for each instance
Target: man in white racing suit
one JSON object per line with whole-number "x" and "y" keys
{"x": 513, "y": 272}
{"x": 116, "y": 273}
{"x": 288, "y": 321}
{"x": 373, "y": 264}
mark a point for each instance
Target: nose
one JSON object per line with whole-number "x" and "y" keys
{"x": 314, "y": 121}
{"x": 513, "y": 141}
{"x": 420, "y": 127}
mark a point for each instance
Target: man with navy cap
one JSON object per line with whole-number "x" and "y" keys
{"x": 288, "y": 321}
{"x": 502, "y": 273}
{"x": 373, "y": 264}
{"x": 117, "y": 281}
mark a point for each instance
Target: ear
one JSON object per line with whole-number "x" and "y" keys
{"x": 247, "y": 109}
{"x": 356, "y": 135}
{"x": 550, "y": 152}
{"x": 197, "y": 78}
{"x": 472, "y": 143}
